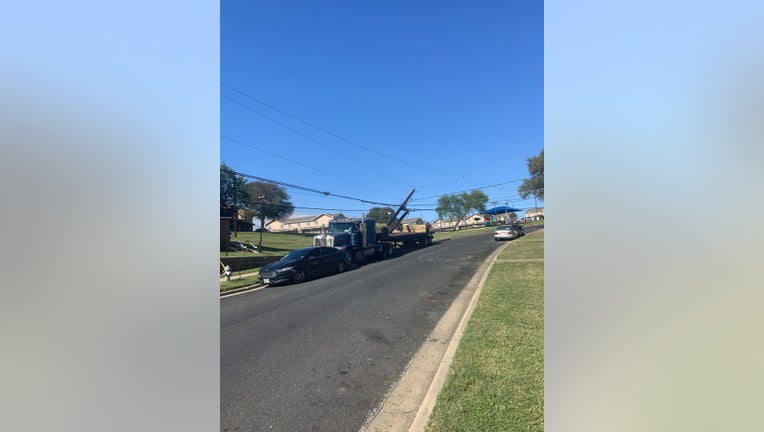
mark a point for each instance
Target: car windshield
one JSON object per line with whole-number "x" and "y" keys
{"x": 296, "y": 255}
{"x": 503, "y": 227}
{"x": 337, "y": 227}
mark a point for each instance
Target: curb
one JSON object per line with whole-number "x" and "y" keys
{"x": 241, "y": 290}
{"x": 407, "y": 405}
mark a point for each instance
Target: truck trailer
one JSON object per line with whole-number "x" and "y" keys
{"x": 360, "y": 240}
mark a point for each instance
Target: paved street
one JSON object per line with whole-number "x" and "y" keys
{"x": 321, "y": 355}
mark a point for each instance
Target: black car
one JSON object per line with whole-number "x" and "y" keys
{"x": 300, "y": 264}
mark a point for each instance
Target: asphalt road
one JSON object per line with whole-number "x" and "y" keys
{"x": 321, "y": 355}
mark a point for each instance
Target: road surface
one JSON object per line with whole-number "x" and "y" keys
{"x": 321, "y": 355}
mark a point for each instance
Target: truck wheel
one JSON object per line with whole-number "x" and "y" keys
{"x": 340, "y": 266}
{"x": 348, "y": 260}
{"x": 388, "y": 251}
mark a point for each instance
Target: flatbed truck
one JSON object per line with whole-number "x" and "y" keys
{"x": 361, "y": 241}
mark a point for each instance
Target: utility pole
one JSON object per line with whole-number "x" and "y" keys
{"x": 262, "y": 222}
{"x": 235, "y": 218}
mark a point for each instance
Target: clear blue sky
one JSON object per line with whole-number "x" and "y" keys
{"x": 453, "y": 88}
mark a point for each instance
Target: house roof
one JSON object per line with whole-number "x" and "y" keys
{"x": 412, "y": 221}
{"x": 303, "y": 218}
{"x": 309, "y": 218}
{"x": 534, "y": 209}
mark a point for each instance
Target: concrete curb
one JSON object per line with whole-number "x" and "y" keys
{"x": 241, "y": 290}
{"x": 410, "y": 402}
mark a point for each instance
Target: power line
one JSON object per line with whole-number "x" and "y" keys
{"x": 302, "y": 164}
{"x": 319, "y": 142}
{"x": 257, "y": 206}
{"x": 479, "y": 187}
{"x": 338, "y": 136}
{"x": 325, "y": 193}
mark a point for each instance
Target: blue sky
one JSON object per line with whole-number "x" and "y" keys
{"x": 440, "y": 97}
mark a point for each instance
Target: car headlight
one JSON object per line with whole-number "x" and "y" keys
{"x": 285, "y": 269}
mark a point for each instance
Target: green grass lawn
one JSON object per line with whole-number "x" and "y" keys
{"x": 496, "y": 382}
{"x": 273, "y": 243}
{"x": 238, "y": 281}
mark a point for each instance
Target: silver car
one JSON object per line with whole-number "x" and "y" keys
{"x": 508, "y": 232}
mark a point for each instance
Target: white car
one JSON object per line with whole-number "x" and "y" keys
{"x": 508, "y": 232}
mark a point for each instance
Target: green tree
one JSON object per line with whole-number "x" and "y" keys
{"x": 268, "y": 201}
{"x": 380, "y": 214}
{"x": 534, "y": 185}
{"x": 233, "y": 194}
{"x": 457, "y": 206}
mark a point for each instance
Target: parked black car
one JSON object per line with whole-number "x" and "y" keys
{"x": 300, "y": 264}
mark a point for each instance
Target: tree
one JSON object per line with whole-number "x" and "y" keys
{"x": 268, "y": 201}
{"x": 233, "y": 194}
{"x": 457, "y": 206}
{"x": 534, "y": 185}
{"x": 380, "y": 214}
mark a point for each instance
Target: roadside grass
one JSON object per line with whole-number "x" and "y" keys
{"x": 531, "y": 223}
{"x": 238, "y": 281}
{"x": 273, "y": 243}
{"x": 496, "y": 382}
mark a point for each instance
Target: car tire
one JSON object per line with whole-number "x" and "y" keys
{"x": 299, "y": 276}
{"x": 341, "y": 266}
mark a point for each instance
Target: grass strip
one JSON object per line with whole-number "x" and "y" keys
{"x": 240, "y": 281}
{"x": 274, "y": 244}
{"x": 496, "y": 382}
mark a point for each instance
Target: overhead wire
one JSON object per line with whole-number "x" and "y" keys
{"x": 471, "y": 189}
{"x": 419, "y": 208}
{"x": 319, "y": 142}
{"x": 338, "y": 136}
{"x": 320, "y": 192}
{"x": 302, "y": 164}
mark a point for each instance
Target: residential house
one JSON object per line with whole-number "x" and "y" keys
{"x": 534, "y": 213}
{"x": 304, "y": 224}
{"x": 237, "y": 224}
{"x": 471, "y": 221}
